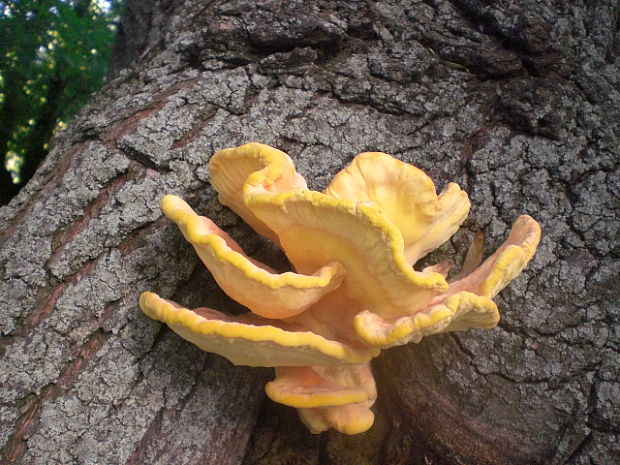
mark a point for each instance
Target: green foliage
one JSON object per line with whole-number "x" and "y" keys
{"x": 53, "y": 55}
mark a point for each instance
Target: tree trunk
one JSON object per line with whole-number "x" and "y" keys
{"x": 518, "y": 102}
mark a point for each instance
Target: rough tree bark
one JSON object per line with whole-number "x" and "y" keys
{"x": 518, "y": 102}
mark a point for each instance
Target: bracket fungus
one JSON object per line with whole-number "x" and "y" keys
{"x": 354, "y": 289}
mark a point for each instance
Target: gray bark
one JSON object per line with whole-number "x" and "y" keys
{"x": 518, "y": 102}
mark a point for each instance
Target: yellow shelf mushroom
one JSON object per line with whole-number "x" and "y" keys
{"x": 354, "y": 289}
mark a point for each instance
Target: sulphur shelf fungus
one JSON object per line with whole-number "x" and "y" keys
{"x": 354, "y": 289}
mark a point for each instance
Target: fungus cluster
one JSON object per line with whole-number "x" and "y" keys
{"x": 354, "y": 289}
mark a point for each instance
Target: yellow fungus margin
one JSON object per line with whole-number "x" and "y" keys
{"x": 258, "y": 344}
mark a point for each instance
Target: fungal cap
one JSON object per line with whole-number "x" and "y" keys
{"x": 249, "y": 282}
{"x": 320, "y": 386}
{"x": 457, "y": 312}
{"x": 250, "y": 340}
{"x": 348, "y": 419}
{"x": 407, "y": 196}
{"x": 232, "y": 168}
